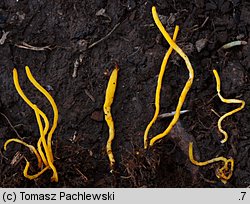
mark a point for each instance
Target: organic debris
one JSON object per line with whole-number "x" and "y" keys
{"x": 4, "y": 37}
{"x": 167, "y": 115}
{"x": 201, "y": 44}
{"x": 26, "y": 46}
{"x": 233, "y": 44}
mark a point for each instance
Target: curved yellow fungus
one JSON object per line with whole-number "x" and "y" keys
{"x": 34, "y": 107}
{"x": 110, "y": 92}
{"x": 217, "y": 77}
{"x": 47, "y": 151}
{"x": 188, "y": 83}
{"x": 31, "y": 147}
{"x": 53, "y": 104}
{"x": 224, "y": 173}
{"x": 31, "y": 177}
{"x": 158, "y": 89}
{"x": 48, "y": 159}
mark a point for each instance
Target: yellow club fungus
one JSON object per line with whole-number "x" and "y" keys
{"x": 47, "y": 159}
{"x": 110, "y": 92}
{"x": 217, "y": 77}
{"x": 31, "y": 177}
{"x": 223, "y": 173}
{"x": 158, "y": 89}
{"x": 187, "y": 85}
{"x": 31, "y": 148}
{"x": 54, "y": 107}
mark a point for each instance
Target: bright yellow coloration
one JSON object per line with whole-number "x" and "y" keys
{"x": 158, "y": 89}
{"x": 53, "y": 104}
{"x": 224, "y": 173}
{"x": 187, "y": 85}
{"x": 32, "y": 149}
{"x": 226, "y": 101}
{"x": 31, "y": 177}
{"x": 110, "y": 92}
{"x": 48, "y": 159}
{"x": 47, "y": 150}
{"x": 35, "y": 108}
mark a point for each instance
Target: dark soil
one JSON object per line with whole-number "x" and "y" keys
{"x": 137, "y": 46}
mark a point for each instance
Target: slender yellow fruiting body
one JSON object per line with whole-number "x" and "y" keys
{"x": 32, "y": 149}
{"x": 31, "y": 177}
{"x": 110, "y": 92}
{"x": 33, "y": 106}
{"x": 47, "y": 150}
{"x": 188, "y": 83}
{"x": 217, "y": 77}
{"x": 224, "y": 173}
{"x": 158, "y": 89}
{"x": 54, "y": 107}
{"x": 48, "y": 159}
{"x": 191, "y": 157}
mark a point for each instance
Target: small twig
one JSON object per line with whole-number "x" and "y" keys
{"x": 89, "y": 95}
{"x": 30, "y": 47}
{"x": 73, "y": 137}
{"x": 4, "y": 37}
{"x": 217, "y": 114}
{"x": 77, "y": 63}
{"x": 125, "y": 177}
{"x": 232, "y": 44}
{"x": 202, "y": 24}
{"x": 212, "y": 98}
{"x": 16, "y": 159}
{"x": 167, "y": 115}
{"x": 101, "y": 12}
{"x": 85, "y": 179}
{"x": 13, "y": 128}
{"x": 105, "y": 37}
{"x": 1, "y": 154}
{"x": 207, "y": 180}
